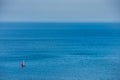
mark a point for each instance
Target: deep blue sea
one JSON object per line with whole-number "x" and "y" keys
{"x": 60, "y": 51}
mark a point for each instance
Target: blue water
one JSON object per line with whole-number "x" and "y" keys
{"x": 60, "y": 51}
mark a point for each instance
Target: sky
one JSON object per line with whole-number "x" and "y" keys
{"x": 60, "y": 10}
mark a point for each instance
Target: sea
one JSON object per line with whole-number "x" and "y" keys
{"x": 59, "y": 51}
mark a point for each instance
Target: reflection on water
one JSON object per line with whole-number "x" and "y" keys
{"x": 62, "y": 51}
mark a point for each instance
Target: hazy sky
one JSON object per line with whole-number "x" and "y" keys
{"x": 60, "y": 10}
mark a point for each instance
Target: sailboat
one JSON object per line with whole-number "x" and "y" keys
{"x": 22, "y": 64}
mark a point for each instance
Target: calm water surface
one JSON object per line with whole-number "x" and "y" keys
{"x": 60, "y": 51}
